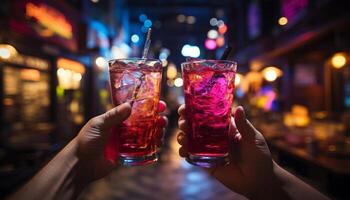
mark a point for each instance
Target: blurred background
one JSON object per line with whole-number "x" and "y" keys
{"x": 293, "y": 80}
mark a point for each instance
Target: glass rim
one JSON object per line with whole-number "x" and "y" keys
{"x": 210, "y": 60}
{"x": 234, "y": 63}
{"x": 134, "y": 60}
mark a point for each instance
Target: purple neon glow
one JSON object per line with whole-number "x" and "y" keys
{"x": 291, "y": 8}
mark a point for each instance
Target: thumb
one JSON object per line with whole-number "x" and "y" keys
{"x": 245, "y": 128}
{"x": 114, "y": 116}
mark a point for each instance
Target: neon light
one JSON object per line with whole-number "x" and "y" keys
{"x": 50, "y": 18}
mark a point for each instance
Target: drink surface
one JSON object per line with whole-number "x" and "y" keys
{"x": 139, "y": 85}
{"x": 208, "y": 98}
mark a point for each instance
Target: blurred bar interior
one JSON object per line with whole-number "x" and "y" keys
{"x": 293, "y": 73}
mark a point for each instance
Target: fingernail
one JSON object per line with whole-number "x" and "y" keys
{"x": 179, "y": 136}
{"x": 161, "y": 106}
{"x": 243, "y": 111}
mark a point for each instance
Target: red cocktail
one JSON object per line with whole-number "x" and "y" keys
{"x": 209, "y": 90}
{"x": 136, "y": 81}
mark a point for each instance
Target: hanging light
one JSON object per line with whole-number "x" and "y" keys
{"x": 338, "y": 60}
{"x": 271, "y": 73}
{"x": 283, "y": 21}
{"x": 6, "y": 51}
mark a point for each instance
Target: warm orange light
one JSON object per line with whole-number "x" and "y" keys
{"x": 71, "y": 65}
{"x": 6, "y": 51}
{"x": 220, "y": 41}
{"x": 222, "y": 29}
{"x": 338, "y": 60}
{"x": 282, "y": 21}
{"x": 30, "y": 75}
{"x": 170, "y": 82}
{"x": 171, "y": 71}
{"x": 50, "y": 18}
{"x": 271, "y": 73}
{"x": 238, "y": 79}
{"x": 100, "y": 62}
{"x": 8, "y": 102}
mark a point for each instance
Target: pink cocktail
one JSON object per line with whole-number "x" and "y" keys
{"x": 136, "y": 81}
{"x": 209, "y": 90}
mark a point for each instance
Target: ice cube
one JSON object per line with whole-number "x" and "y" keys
{"x": 128, "y": 78}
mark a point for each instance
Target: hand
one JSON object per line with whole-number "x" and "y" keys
{"x": 251, "y": 165}
{"x": 93, "y": 137}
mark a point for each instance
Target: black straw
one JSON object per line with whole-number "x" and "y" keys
{"x": 226, "y": 53}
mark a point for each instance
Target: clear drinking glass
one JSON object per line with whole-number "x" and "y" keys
{"x": 209, "y": 91}
{"x": 136, "y": 81}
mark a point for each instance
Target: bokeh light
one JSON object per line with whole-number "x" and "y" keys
{"x": 6, "y": 51}
{"x": 135, "y": 38}
{"x": 271, "y": 73}
{"x": 100, "y": 62}
{"x": 212, "y": 34}
{"x": 238, "y": 79}
{"x": 220, "y": 41}
{"x": 142, "y": 17}
{"x": 191, "y": 20}
{"x": 147, "y": 23}
{"x": 220, "y": 23}
{"x": 178, "y": 82}
{"x": 282, "y": 21}
{"x": 213, "y": 21}
{"x": 338, "y": 60}
{"x": 210, "y": 44}
{"x": 171, "y": 71}
{"x": 222, "y": 29}
{"x": 181, "y": 18}
{"x": 190, "y": 51}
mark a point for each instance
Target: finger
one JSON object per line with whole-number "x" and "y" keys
{"x": 183, "y": 126}
{"x": 160, "y": 137}
{"x": 245, "y": 128}
{"x": 162, "y": 121}
{"x": 112, "y": 117}
{"x": 183, "y": 151}
{"x": 181, "y": 118}
{"x": 237, "y": 137}
{"x": 181, "y": 110}
{"x": 161, "y": 106}
{"x": 233, "y": 129}
{"x": 182, "y": 139}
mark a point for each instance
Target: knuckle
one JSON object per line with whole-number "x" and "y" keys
{"x": 94, "y": 122}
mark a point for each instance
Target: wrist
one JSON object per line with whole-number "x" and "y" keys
{"x": 78, "y": 172}
{"x": 272, "y": 187}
